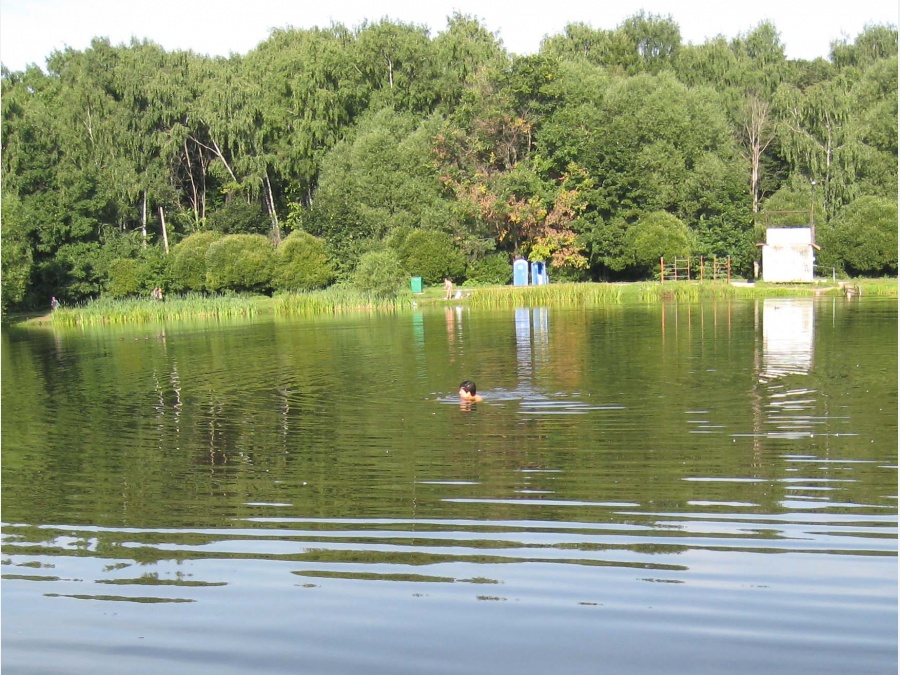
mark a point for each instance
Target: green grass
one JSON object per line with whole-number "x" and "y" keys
{"x": 142, "y": 310}
{"x": 587, "y": 294}
{"x": 339, "y": 299}
{"x": 882, "y": 287}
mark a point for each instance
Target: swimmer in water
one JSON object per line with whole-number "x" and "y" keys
{"x": 467, "y": 392}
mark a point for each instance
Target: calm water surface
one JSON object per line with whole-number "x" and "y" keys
{"x": 706, "y": 488}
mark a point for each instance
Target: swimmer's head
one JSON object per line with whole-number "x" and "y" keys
{"x": 467, "y": 389}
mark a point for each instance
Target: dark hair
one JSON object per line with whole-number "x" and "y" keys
{"x": 468, "y": 386}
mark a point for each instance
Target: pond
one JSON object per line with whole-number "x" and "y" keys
{"x": 677, "y": 488}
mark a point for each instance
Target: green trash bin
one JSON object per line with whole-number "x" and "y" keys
{"x": 416, "y": 284}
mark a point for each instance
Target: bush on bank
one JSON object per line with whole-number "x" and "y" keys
{"x": 432, "y": 255}
{"x": 301, "y": 263}
{"x": 187, "y": 267}
{"x": 240, "y": 262}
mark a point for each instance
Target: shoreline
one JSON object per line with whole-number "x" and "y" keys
{"x": 145, "y": 310}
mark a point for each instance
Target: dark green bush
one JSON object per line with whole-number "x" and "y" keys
{"x": 491, "y": 269}
{"x": 379, "y": 274}
{"x": 568, "y": 274}
{"x": 188, "y": 261}
{"x": 301, "y": 263}
{"x": 239, "y": 217}
{"x": 862, "y": 239}
{"x": 431, "y": 254}
{"x": 657, "y": 234}
{"x": 124, "y": 278}
{"x": 239, "y": 262}
{"x": 127, "y": 276}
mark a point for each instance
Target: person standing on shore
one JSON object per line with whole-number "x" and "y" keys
{"x": 54, "y": 304}
{"x": 448, "y": 288}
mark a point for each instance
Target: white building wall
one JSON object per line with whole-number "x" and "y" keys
{"x": 788, "y": 255}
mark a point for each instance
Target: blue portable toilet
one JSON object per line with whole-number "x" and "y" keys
{"x": 539, "y": 275}
{"x": 520, "y": 272}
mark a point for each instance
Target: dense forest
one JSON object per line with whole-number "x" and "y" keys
{"x": 332, "y": 154}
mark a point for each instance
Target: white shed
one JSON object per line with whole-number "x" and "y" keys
{"x": 788, "y": 255}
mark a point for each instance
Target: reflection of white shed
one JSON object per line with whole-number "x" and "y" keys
{"x": 787, "y": 255}
{"x": 788, "y": 330}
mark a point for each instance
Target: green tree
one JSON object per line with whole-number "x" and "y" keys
{"x": 641, "y": 43}
{"x": 461, "y": 50}
{"x": 819, "y": 138}
{"x": 657, "y": 235}
{"x": 377, "y": 182}
{"x": 301, "y": 263}
{"x": 15, "y": 252}
{"x": 862, "y": 238}
{"x": 876, "y": 43}
{"x": 188, "y": 264}
{"x": 239, "y": 262}
{"x": 396, "y": 61}
{"x": 431, "y": 255}
{"x": 494, "y": 268}
{"x": 239, "y": 217}
{"x": 379, "y": 274}
{"x": 124, "y": 278}
{"x": 656, "y": 40}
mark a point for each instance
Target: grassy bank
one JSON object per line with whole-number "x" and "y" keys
{"x": 339, "y": 299}
{"x": 581, "y": 294}
{"x": 144, "y": 310}
{"x": 195, "y": 306}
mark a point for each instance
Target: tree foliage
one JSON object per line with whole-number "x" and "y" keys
{"x": 241, "y": 262}
{"x": 431, "y": 255}
{"x": 301, "y": 263}
{"x": 862, "y": 239}
{"x": 188, "y": 261}
{"x": 379, "y": 273}
{"x": 363, "y": 137}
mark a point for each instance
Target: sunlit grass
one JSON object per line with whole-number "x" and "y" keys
{"x": 588, "y": 294}
{"x": 879, "y": 287}
{"x": 338, "y": 299}
{"x": 143, "y": 310}
{"x": 341, "y": 298}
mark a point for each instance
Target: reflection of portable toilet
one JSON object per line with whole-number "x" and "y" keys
{"x": 539, "y": 273}
{"x": 520, "y": 272}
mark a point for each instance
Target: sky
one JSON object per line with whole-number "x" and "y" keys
{"x": 30, "y": 30}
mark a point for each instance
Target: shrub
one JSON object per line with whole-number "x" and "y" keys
{"x": 569, "y": 273}
{"x": 862, "y": 240}
{"x": 127, "y": 276}
{"x": 239, "y": 217}
{"x": 155, "y": 271}
{"x": 239, "y": 262}
{"x": 491, "y": 269}
{"x": 124, "y": 278}
{"x": 301, "y": 263}
{"x": 379, "y": 274}
{"x": 656, "y": 235}
{"x": 16, "y": 258}
{"x": 431, "y": 254}
{"x": 188, "y": 264}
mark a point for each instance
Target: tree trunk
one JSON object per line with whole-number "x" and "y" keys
{"x": 270, "y": 205}
{"x": 162, "y": 223}
{"x": 195, "y": 197}
{"x": 757, "y": 135}
{"x": 144, "y": 222}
